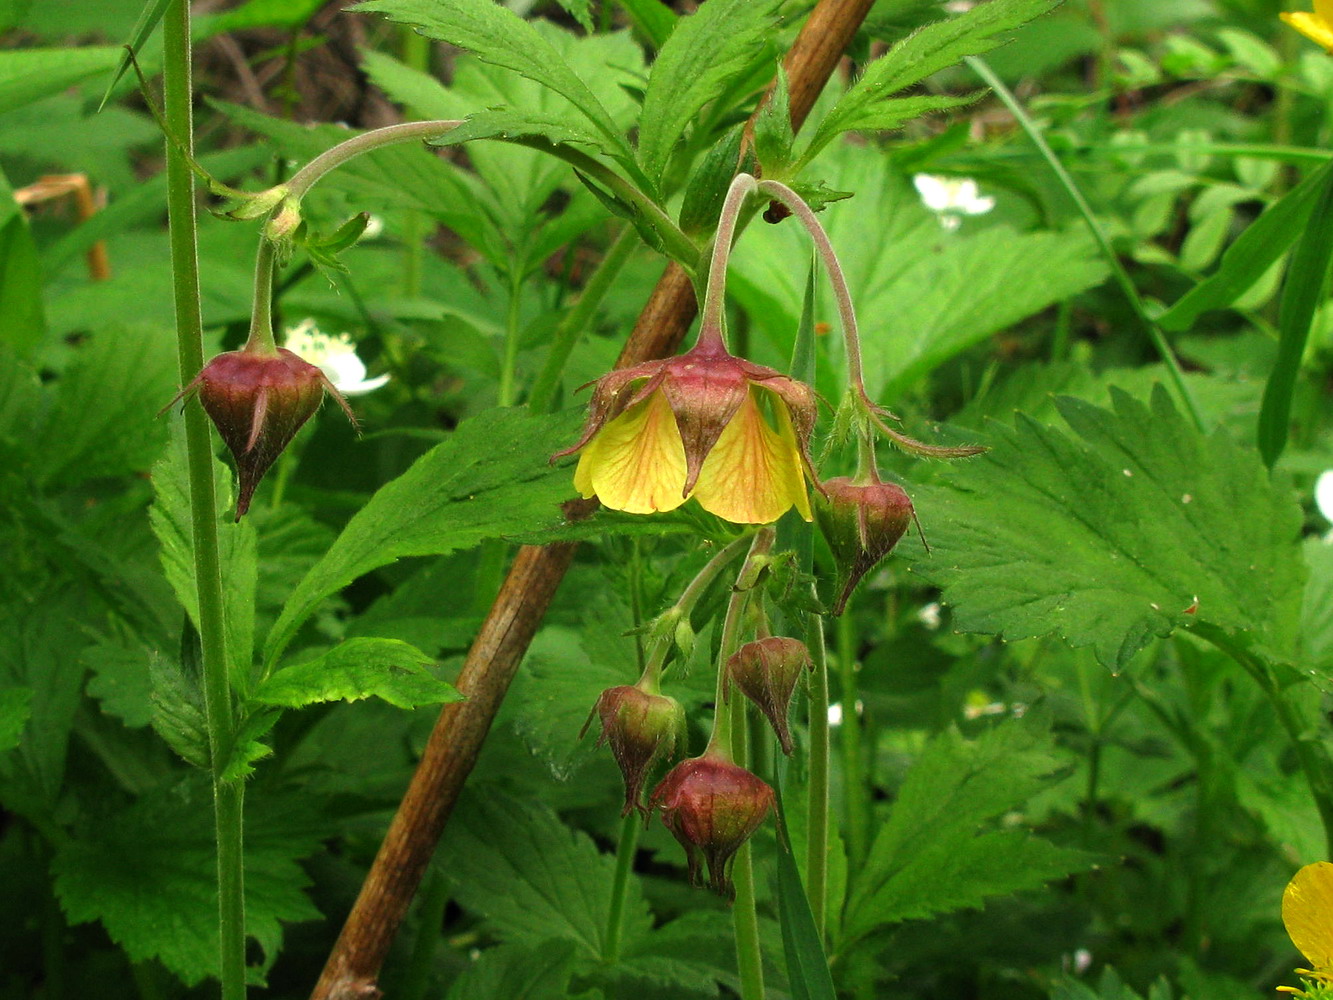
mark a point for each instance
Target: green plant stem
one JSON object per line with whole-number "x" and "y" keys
{"x": 261, "y": 339}
{"x": 615, "y": 919}
{"x": 713, "y": 312}
{"x": 430, "y": 918}
{"x": 513, "y": 329}
{"x": 305, "y": 178}
{"x": 1122, "y": 277}
{"x": 721, "y": 739}
{"x": 1310, "y": 751}
{"x": 744, "y": 917}
{"x": 849, "y": 736}
{"x": 545, "y": 390}
{"x": 219, "y": 713}
{"x": 817, "y": 801}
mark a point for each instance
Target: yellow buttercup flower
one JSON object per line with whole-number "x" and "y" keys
{"x": 693, "y": 426}
{"x": 1307, "y": 913}
{"x": 1316, "y": 26}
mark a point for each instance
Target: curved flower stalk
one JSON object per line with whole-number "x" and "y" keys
{"x": 1316, "y": 26}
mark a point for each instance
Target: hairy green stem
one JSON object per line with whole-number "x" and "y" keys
{"x": 721, "y": 739}
{"x": 1122, "y": 277}
{"x": 744, "y": 917}
{"x": 261, "y": 339}
{"x": 218, "y": 708}
{"x": 305, "y": 178}
{"x": 816, "y": 859}
{"x": 615, "y": 919}
{"x": 854, "y": 792}
{"x": 713, "y": 312}
{"x": 544, "y": 391}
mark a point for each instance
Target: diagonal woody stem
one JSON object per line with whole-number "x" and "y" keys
{"x": 354, "y": 964}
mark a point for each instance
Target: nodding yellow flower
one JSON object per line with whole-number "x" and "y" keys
{"x": 1316, "y": 26}
{"x": 693, "y": 426}
{"x": 1307, "y": 913}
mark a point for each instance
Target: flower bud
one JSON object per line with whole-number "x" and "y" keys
{"x": 711, "y": 807}
{"x": 641, "y": 728}
{"x": 862, "y": 523}
{"x": 258, "y": 402}
{"x": 766, "y": 671}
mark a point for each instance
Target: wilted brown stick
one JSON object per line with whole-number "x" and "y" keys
{"x": 354, "y": 964}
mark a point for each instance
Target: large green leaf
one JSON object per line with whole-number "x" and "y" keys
{"x": 703, "y": 54}
{"x": 496, "y": 35}
{"x": 933, "y": 48}
{"x": 533, "y": 877}
{"x": 512, "y": 972}
{"x": 15, "y": 707}
{"x": 148, "y": 873}
{"x": 102, "y": 421}
{"x": 358, "y": 668}
{"x": 922, "y": 294}
{"x": 942, "y": 849}
{"x": 27, "y": 75}
{"x": 491, "y": 478}
{"x": 1128, "y": 528}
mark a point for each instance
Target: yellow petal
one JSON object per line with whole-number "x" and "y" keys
{"x": 1317, "y": 27}
{"x": 636, "y": 463}
{"x": 753, "y": 474}
{"x": 1307, "y": 912}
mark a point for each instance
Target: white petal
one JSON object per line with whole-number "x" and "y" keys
{"x": 1323, "y": 494}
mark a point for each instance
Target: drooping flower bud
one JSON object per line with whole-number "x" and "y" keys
{"x": 642, "y": 728}
{"x": 258, "y": 401}
{"x": 711, "y": 807}
{"x": 766, "y": 671}
{"x": 862, "y": 523}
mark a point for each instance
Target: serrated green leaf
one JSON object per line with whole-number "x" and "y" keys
{"x": 496, "y": 35}
{"x": 102, "y": 420}
{"x": 653, "y": 18}
{"x": 512, "y": 125}
{"x": 172, "y": 523}
{"x": 703, "y": 54}
{"x": 941, "y": 850}
{"x": 534, "y": 878}
{"x": 15, "y": 708}
{"x": 927, "y": 51}
{"x": 177, "y": 707}
{"x": 894, "y": 112}
{"x": 773, "y": 136}
{"x": 513, "y": 972}
{"x": 359, "y": 668}
{"x": 491, "y": 478}
{"x": 148, "y": 873}
{"x": 1129, "y": 528}
{"x": 121, "y": 679}
{"x": 1255, "y": 250}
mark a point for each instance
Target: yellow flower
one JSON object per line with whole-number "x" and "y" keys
{"x": 1317, "y": 26}
{"x": 693, "y": 426}
{"x": 1307, "y": 913}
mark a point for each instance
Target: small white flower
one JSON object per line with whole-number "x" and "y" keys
{"x": 929, "y": 615}
{"x": 374, "y": 228}
{"x": 335, "y": 356}
{"x": 951, "y": 197}
{"x": 1323, "y": 495}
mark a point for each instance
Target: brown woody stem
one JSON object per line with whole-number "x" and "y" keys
{"x": 354, "y": 964}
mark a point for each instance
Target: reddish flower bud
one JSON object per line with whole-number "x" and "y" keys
{"x": 642, "y": 728}
{"x": 711, "y": 807}
{"x": 862, "y": 523}
{"x": 766, "y": 671}
{"x": 258, "y": 402}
